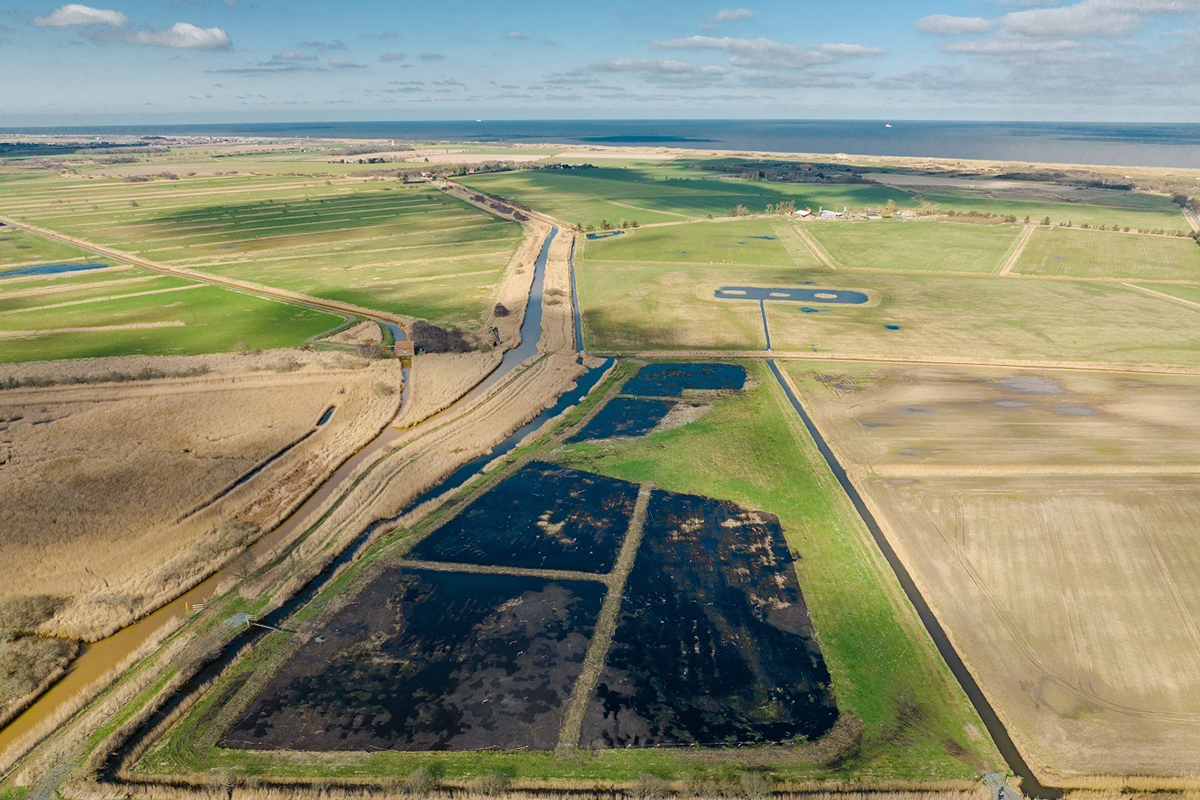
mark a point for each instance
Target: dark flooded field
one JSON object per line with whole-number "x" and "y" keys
{"x": 624, "y": 416}
{"x": 431, "y": 661}
{"x": 670, "y": 380}
{"x": 714, "y": 644}
{"x": 541, "y": 517}
{"x": 49, "y": 269}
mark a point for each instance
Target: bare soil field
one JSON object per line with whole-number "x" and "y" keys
{"x": 1049, "y": 518}
{"x": 909, "y": 419}
{"x": 145, "y": 472}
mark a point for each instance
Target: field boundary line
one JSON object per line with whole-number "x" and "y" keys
{"x": 649, "y": 210}
{"x": 606, "y": 626}
{"x": 817, "y": 250}
{"x": 71, "y": 287}
{"x": 786, "y": 355}
{"x": 1018, "y": 249}
{"x": 1163, "y": 295}
{"x": 488, "y": 569}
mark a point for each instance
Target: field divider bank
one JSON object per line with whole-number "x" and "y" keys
{"x": 817, "y": 250}
{"x": 1030, "y": 785}
{"x": 606, "y": 626}
{"x": 1017, "y": 250}
{"x": 489, "y": 569}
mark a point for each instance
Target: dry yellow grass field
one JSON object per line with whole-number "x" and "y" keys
{"x": 438, "y": 379}
{"x": 365, "y": 332}
{"x": 1049, "y": 518}
{"x": 119, "y": 494}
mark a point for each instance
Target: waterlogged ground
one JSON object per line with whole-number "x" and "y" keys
{"x": 714, "y": 644}
{"x": 625, "y": 416}
{"x": 428, "y": 660}
{"x": 671, "y": 380}
{"x": 542, "y": 517}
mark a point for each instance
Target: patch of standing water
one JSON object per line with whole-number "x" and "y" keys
{"x": 1031, "y": 383}
{"x": 49, "y": 269}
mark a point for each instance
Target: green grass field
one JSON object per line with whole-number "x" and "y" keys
{"x": 917, "y": 245}
{"x": 1096, "y": 254}
{"x": 662, "y": 194}
{"x": 958, "y": 317}
{"x": 644, "y": 308}
{"x": 1191, "y": 293}
{"x": 759, "y": 242}
{"x": 753, "y": 450}
{"x": 140, "y": 312}
{"x": 377, "y": 244}
{"x": 20, "y": 248}
{"x": 1135, "y": 210}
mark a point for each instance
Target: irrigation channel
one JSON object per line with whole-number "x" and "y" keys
{"x": 1030, "y": 785}
{"x": 99, "y": 658}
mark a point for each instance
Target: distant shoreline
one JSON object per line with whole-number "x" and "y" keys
{"x": 1162, "y": 145}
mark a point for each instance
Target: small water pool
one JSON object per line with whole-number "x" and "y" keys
{"x": 839, "y": 296}
{"x": 49, "y": 269}
{"x": 604, "y": 234}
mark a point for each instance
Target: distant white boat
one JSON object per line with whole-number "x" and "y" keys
{"x": 479, "y": 120}
{"x": 888, "y": 125}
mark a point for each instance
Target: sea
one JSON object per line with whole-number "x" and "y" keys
{"x": 1109, "y": 144}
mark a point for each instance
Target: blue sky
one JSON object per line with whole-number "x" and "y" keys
{"x": 255, "y": 60}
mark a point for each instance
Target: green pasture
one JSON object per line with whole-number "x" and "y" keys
{"x": 19, "y": 247}
{"x": 588, "y": 196}
{"x": 917, "y": 245}
{"x": 1191, "y": 293}
{"x": 758, "y": 242}
{"x": 213, "y": 320}
{"x": 377, "y": 244}
{"x": 961, "y": 317}
{"x": 1095, "y": 254}
{"x": 1148, "y": 211}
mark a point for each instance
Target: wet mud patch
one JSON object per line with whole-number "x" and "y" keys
{"x": 1031, "y": 384}
{"x": 543, "y": 516}
{"x": 671, "y": 380}
{"x": 427, "y": 660}
{"x": 714, "y": 645}
{"x": 624, "y": 416}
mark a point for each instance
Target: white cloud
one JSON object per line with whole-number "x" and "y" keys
{"x": 393, "y": 57}
{"x": 734, "y": 14}
{"x": 342, "y": 63}
{"x": 656, "y": 65}
{"x": 515, "y": 35}
{"x": 292, "y": 55}
{"x": 75, "y": 15}
{"x": 429, "y": 55}
{"x": 946, "y": 25}
{"x": 1091, "y": 18}
{"x": 182, "y": 35}
{"x": 771, "y": 55}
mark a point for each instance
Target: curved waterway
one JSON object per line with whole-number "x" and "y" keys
{"x": 1030, "y": 785}
{"x": 96, "y": 660}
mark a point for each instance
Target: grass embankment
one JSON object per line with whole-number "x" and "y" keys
{"x": 919, "y": 726}
{"x": 20, "y": 248}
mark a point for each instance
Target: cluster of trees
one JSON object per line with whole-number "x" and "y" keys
{"x": 605, "y": 225}
{"x": 786, "y": 171}
{"x": 430, "y": 338}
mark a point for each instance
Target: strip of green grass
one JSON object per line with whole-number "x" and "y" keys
{"x": 22, "y": 247}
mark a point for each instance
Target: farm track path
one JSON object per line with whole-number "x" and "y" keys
{"x": 1163, "y": 295}
{"x": 606, "y": 625}
{"x": 817, "y": 250}
{"x": 1017, "y": 251}
{"x": 758, "y": 355}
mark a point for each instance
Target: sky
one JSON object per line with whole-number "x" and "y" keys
{"x": 193, "y": 61}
